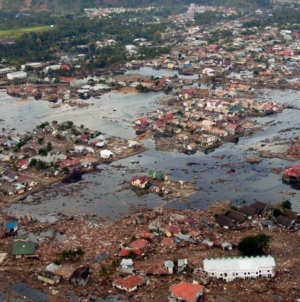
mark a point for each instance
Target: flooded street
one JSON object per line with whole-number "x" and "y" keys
{"x": 113, "y": 114}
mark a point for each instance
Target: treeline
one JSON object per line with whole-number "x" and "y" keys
{"x": 15, "y": 19}
{"x": 234, "y": 3}
{"x": 70, "y": 32}
{"x": 137, "y": 3}
{"x": 287, "y": 18}
{"x": 74, "y": 6}
{"x": 209, "y": 17}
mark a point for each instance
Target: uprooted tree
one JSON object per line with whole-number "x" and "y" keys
{"x": 254, "y": 245}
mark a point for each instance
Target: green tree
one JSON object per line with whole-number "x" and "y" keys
{"x": 276, "y": 212}
{"x": 254, "y": 245}
{"x": 42, "y": 152}
{"x": 157, "y": 36}
{"x": 65, "y": 170}
{"x": 286, "y": 205}
{"x": 49, "y": 147}
{"x": 33, "y": 162}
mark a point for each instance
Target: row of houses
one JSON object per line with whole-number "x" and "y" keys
{"x": 287, "y": 217}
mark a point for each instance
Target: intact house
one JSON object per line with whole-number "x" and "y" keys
{"x": 106, "y": 154}
{"x": 237, "y": 217}
{"x": 291, "y": 174}
{"x": 16, "y": 75}
{"x": 240, "y": 267}
{"x": 185, "y": 291}
{"x": 249, "y": 211}
{"x": 156, "y": 175}
{"x": 140, "y": 181}
{"x": 23, "y": 249}
{"x": 23, "y": 164}
{"x": 291, "y": 214}
{"x": 129, "y": 283}
{"x": 10, "y": 228}
{"x": 140, "y": 244}
{"x": 126, "y": 266}
{"x": 286, "y": 222}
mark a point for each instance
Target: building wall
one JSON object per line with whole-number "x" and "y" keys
{"x": 243, "y": 274}
{"x": 47, "y": 280}
{"x": 80, "y": 281}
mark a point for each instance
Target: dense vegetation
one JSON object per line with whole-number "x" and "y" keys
{"x": 208, "y": 17}
{"x": 79, "y": 5}
{"x": 287, "y": 18}
{"x": 70, "y": 32}
{"x": 254, "y": 245}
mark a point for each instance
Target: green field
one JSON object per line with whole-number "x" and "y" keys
{"x": 12, "y": 34}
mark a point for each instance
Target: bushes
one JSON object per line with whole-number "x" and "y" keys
{"x": 72, "y": 255}
{"x": 286, "y": 205}
{"x": 276, "y": 213}
{"x": 254, "y": 245}
{"x": 43, "y": 152}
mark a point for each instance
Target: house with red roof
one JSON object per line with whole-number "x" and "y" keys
{"x": 129, "y": 283}
{"x": 66, "y": 79}
{"x": 185, "y": 291}
{"x": 140, "y": 181}
{"x": 23, "y": 164}
{"x": 141, "y": 120}
{"x": 168, "y": 242}
{"x": 139, "y": 244}
{"x": 65, "y": 67}
{"x": 125, "y": 252}
{"x": 70, "y": 163}
{"x": 174, "y": 230}
{"x": 291, "y": 174}
{"x": 231, "y": 128}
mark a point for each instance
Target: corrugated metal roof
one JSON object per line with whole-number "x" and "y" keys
{"x": 234, "y": 264}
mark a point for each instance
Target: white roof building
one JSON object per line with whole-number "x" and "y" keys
{"x": 5, "y": 70}
{"x": 17, "y": 75}
{"x": 240, "y": 267}
{"x": 106, "y": 154}
{"x": 31, "y": 64}
{"x": 52, "y": 67}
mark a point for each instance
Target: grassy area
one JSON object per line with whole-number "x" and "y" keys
{"x": 12, "y": 34}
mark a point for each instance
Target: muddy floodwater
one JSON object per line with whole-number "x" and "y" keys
{"x": 113, "y": 114}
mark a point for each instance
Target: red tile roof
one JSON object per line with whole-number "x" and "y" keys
{"x": 146, "y": 235}
{"x": 174, "y": 229}
{"x": 139, "y": 244}
{"x": 70, "y": 163}
{"x": 21, "y": 178}
{"x": 67, "y": 79}
{"x": 130, "y": 281}
{"x": 186, "y": 291}
{"x": 142, "y": 119}
{"x": 125, "y": 252}
{"x": 169, "y": 242}
{"x": 65, "y": 67}
{"x": 292, "y": 172}
{"x": 142, "y": 179}
{"x": 159, "y": 124}
{"x": 155, "y": 268}
{"x": 23, "y": 162}
{"x": 232, "y": 126}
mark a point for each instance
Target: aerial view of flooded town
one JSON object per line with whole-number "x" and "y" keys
{"x": 150, "y": 150}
